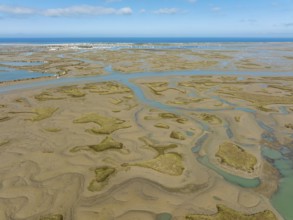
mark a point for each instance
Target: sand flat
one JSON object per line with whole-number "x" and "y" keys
{"x": 124, "y": 147}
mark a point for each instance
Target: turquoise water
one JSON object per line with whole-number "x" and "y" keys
{"x": 282, "y": 200}
{"x": 237, "y": 180}
{"x": 164, "y": 216}
{"x": 283, "y": 110}
{"x": 21, "y": 63}
{"x": 199, "y": 143}
{"x": 271, "y": 153}
{"x": 7, "y": 74}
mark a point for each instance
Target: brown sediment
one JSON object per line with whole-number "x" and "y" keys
{"x": 236, "y": 157}
{"x": 107, "y": 124}
{"x": 225, "y": 213}
{"x": 269, "y": 180}
{"x": 52, "y": 217}
{"x": 52, "y": 129}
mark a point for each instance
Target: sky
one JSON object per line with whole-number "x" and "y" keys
{"x": 146, "y": 18}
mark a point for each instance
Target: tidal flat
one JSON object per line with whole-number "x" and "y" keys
{"x": 147, "y": 133}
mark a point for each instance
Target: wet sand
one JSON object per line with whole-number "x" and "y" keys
{"x": 144, "y": 148}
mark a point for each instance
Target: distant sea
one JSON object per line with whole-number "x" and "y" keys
{"x": 136, "y": 40}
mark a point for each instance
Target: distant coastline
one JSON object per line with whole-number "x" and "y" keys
{"x": 135, "y": 40}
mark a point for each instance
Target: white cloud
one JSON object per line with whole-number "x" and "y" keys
{"x": 86, "y": 10}
{"x": 192, "y": 1}
{"x": 16, "y": 10}
{"x": 167, "y": 11}
{"x": 69, "y": 11}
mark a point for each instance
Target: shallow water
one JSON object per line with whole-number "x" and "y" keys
{"x": 21, "y": 63}
{"x": 7, "y": 74}
{"x": 282, "y": 200}
{"x": 199, "y": 143}
{"x": 237, "y": 180}
{"x": 164, "y": 216}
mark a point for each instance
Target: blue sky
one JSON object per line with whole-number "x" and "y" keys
{"x": 146, "y": 18}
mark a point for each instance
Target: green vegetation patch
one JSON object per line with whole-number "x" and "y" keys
{"x": 45, "y": 96}
{"x": 177, "y": 135}
{"x": 106, "y": 88}
{"x": 72, "y": 91}
{"x": 4, "y": 118}
{"x": 225, "y": 213}
{"x": 211, "y": 119}
{"x": 160, "y": 148}
{"x": 43, "y": 113}
{"x": 106, "y": 144}
{"x": 107, "y": 124}
{"x": 236, "y": 157}
{"x": 259, "y": 99}
{"x": 159, "y": 87}
{"x": 185, "y": 101}
{"x": 169, "y": 163}
{"x": 102, "y": 177}
{"x": 3, "y": 142}
{"x": 161, "y": 125}
{"x": 168, "y": 115}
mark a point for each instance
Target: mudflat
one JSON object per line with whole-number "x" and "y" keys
{"x": 121, "y": 146}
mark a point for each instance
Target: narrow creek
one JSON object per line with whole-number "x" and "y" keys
{"x": 282, "y": 200}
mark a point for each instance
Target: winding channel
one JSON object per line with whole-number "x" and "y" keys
{"x": 282, "y": 200}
